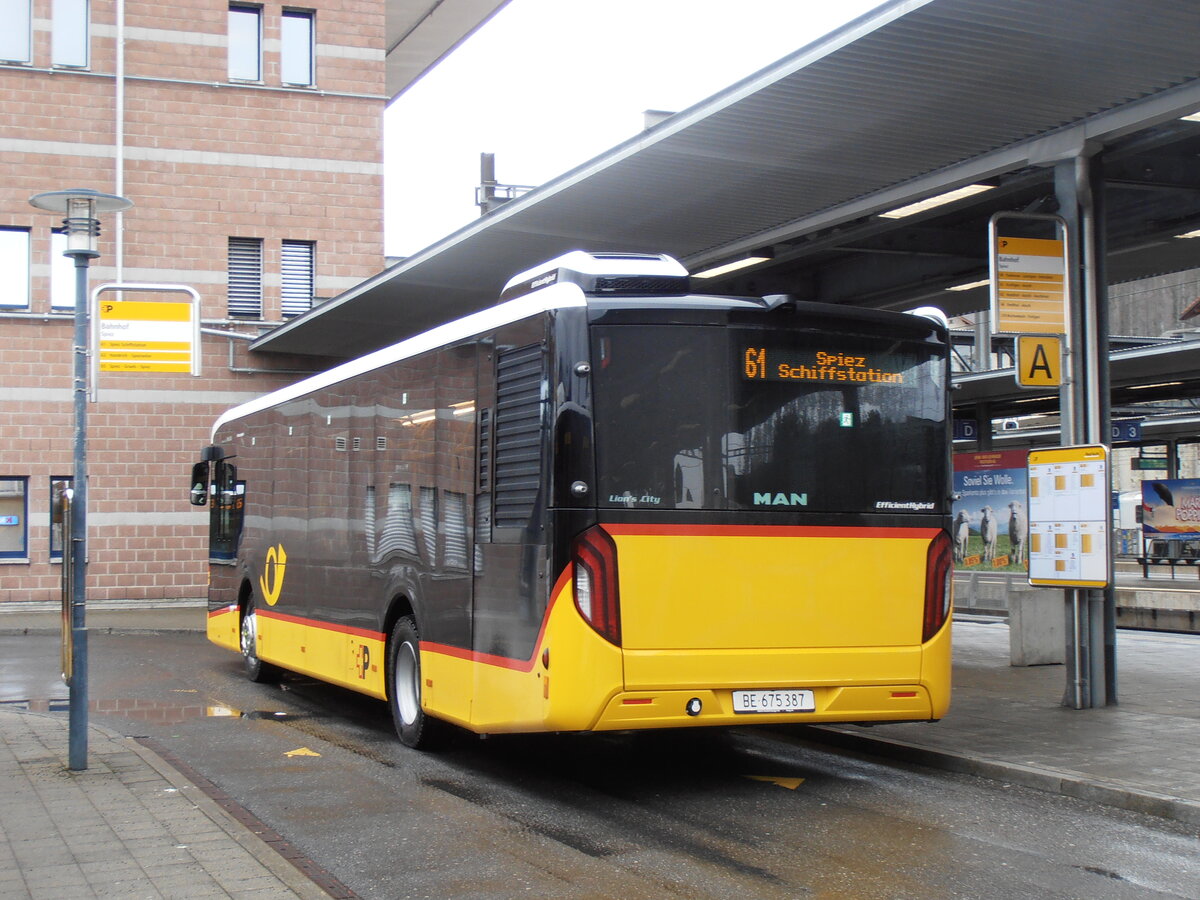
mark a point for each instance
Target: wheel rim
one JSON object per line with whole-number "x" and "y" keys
{"x": 408, "y": 700}
{"x": 249, "y": 636}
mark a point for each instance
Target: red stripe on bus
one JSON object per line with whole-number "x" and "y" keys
{"x": 224, "y": 610}
{"x": 809, "y": 531}
{"x": 324, "y": 626}
{"x": 505, "y": 662}
{"x": 487, "y": 659}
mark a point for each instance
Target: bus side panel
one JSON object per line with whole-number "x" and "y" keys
{"x": 224, "y": 579}
{"x": 351, "y": 658}
{"x": 935, "y": 668}
{"x": 448, "y": 674}
{"x": 564, "y": 685}
{"x": 223, "y": 624}
{"x": 225, "y": 573}
{"x": 586, "y": 671}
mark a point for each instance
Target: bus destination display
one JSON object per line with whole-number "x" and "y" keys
{"x": 785, "y": 364}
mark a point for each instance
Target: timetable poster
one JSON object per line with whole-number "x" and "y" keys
{"x": 1069, "y": 511}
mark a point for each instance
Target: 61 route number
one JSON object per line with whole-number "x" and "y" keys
{"x": 756, "y": 362}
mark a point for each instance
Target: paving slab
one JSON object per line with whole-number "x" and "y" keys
{"x": 125, "y": 826}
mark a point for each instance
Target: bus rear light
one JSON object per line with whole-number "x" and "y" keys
{"x": 595, "y": 572}
{"x": 939, "y": 575}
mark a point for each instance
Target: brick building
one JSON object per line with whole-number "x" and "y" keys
{"x": 249, "y": 138}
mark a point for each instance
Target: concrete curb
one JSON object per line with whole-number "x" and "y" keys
{"x": 107, "y": 617}
{"x": 1068, "y": 784}
{"x": 32, "y": 606}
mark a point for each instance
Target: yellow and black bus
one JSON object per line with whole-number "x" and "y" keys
{"x": 604, "y": 503}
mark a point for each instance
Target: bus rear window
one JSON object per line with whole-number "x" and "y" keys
{"x": 703, "y": 417}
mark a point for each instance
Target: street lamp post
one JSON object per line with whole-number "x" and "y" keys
{"x": 80, "y": 206}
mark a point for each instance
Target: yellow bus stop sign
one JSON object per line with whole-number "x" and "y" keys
{"x": 1039, "y": 360}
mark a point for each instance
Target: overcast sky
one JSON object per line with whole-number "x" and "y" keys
{"x": 549, "y": 84}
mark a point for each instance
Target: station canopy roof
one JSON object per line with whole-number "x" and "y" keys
{"x": 420, "y": 33}
{"x": 799, "y": 161}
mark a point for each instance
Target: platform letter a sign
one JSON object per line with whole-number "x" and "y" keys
{"x": 1039, "y": 360}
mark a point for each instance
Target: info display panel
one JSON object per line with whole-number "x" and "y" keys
{"x": 1069, "y": 516}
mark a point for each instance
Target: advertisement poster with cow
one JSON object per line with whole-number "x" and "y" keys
{"x": 991, "y": 527}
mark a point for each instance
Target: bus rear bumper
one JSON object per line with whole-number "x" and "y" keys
{"x": 674, "y": 708}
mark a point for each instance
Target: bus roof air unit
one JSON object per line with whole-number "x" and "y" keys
{"x": 607, "y": 274}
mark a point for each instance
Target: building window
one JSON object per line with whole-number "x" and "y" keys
{"x": 58, "y": 537}
{"x": 298, "y": 280}
{"x": 296, "y": 47}
{"x": 16, "y": 38}
{"x": 14, "y": 267}
{"x": 245, "y": 43}
{"x": 14, "y": 529}
{"x": 62, "y": 273}
{"x": 245, "y": 278}
{"x": 69, "y": 30}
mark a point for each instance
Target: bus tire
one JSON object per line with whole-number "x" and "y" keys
{"x": 414, "y": 728}
{"x": 256, "y": 670}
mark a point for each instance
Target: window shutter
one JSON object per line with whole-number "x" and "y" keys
{"x": 297, "y": 293}
{"x": 245, "y": 278}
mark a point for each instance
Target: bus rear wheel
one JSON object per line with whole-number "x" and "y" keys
{"x": 256, "y": 669}
{"x": 414, "y": 728}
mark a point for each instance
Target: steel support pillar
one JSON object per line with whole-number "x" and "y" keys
{"x": 1086, "y": 414}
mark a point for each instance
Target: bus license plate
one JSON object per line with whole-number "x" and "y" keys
{"x": 777, "y": 701}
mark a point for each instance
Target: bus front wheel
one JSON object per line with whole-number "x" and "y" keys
{"x": 415, "y": 729}
{"x": 256, "y": 669}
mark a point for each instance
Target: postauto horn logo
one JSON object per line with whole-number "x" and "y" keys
{"x": 271, "y": 581}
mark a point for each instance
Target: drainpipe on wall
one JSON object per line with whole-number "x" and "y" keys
{"x": 119, "y": 128}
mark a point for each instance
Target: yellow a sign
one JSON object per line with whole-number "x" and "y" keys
{"x": 1039, "y": 360}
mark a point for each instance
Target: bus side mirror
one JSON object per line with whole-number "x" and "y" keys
{"x": 200, "y": 478}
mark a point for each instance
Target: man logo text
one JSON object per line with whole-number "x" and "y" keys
{"x": 781, "y": 499}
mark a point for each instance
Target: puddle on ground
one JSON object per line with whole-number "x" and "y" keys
{"x": 165, "y": 712}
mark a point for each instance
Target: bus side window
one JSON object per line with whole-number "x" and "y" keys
{"x": 228, "y": 509}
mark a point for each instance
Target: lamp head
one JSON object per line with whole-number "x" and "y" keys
{"x": 80, "y": 206}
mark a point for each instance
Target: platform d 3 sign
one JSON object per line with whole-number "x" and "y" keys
{"x": 138, "y": 336}
{"x": 1039, "y": 360}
